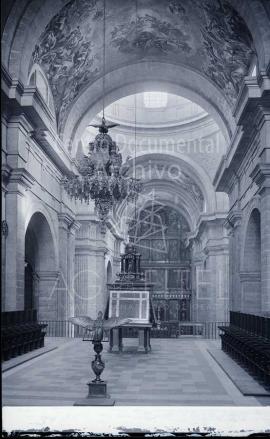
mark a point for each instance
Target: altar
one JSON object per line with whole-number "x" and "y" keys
{"x": 129, "y": 297}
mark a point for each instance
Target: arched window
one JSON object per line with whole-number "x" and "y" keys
{"x": 38, "y": 79}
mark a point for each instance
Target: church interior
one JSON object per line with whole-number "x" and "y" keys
{"x": 136, "y": 202}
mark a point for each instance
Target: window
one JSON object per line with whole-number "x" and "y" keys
{"x": 155, "y": 99}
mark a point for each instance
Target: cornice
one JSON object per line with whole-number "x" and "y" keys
{"x": 21, "y": 177}
{"x": 261, "y": 175}
{"x": 66, "y": 219}
{"x": 204, "y": 222}
{"x": 90, "y": 250}
{"x": 6, "y": 172}
{"x": 48, "y": 275}
{"x": 234, "y": 218}
{"x": 250, "y": 276}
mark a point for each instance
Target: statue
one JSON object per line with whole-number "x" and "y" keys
{"x": 97, "y": 328}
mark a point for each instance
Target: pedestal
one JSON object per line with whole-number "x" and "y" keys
{"x": 97, "y": 395}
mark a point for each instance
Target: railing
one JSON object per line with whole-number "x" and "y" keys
{"x": 208, "y": 330}
{"x": 63, "y": 328}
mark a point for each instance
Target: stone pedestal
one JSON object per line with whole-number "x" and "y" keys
{"x": 97, "y": 395}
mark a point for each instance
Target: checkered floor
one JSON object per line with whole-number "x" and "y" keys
{"x": 176, "y": 372}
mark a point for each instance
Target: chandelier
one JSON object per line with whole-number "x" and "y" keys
{"x": 102, "y": 175}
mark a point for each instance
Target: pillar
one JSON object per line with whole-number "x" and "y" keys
{"x": 90, "y": 277}
{"x": 47, "y": 301}
{"x": 233, "y": 225}
{"x": 65, "y": 292}
{"x": 15, "y": 205}
{"x": 261, "y": 176}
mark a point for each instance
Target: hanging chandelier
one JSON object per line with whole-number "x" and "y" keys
{"x": 102, "y": 175}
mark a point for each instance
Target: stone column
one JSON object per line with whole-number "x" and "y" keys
{"x": 71, "y": 267}
{"x": 90, "y": 276}
{"x": 67, "y": 229}
{"x": 19, "y": 181}
{"x": 4, "y": 231}
{"x": 261, "y": 176}
{"x": 233, "y": 224}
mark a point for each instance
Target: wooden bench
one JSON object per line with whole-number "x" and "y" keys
{"x": 247, "y": 341}
{"x": 21, "y": 333}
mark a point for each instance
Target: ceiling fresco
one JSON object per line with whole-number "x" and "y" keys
{"x": 206, "y": 35}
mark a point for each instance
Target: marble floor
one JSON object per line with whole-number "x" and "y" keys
{"x": 176, "y": 372}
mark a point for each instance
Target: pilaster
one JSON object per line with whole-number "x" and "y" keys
{"x": 19, "y": 181}
{"x": 261, "y": 176}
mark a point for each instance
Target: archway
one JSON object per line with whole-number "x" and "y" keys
{"x": 159, "y": 233}
{"x": 40, "y": 262}
{"x": 251, "y": 273}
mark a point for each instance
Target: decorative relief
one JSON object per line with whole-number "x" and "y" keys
{"x": 208, "y": 36}
{"x": 227, "y": 44}
{"x": 151, "y": 35}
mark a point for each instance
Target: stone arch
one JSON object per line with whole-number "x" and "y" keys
{"x": 191, "y": 168}
{"x": 251, "y": 264}
{"x": 179, "y": 80}
{"x": 27, "y": 20}
{"x": 40, "y": 256}
{"x": 36, "y": 207}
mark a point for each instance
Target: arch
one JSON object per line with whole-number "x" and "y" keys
{"x": 186, "y": 164}
{"x": 251, "y": 268}
{"x": 39, "y": 243}
{"x": 258, "y": 24}
{"x": 41, "y": 276}
{"x": 36, "y": 207}
{"x": 140, "y": 77}
{"x": 28, "y": 19}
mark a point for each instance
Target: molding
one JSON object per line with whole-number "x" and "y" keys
{"x": 65, "y": 220}
{"x": 6, "y": 172}
{"x": 54, "y": 149}
{"x": 250, "y": 276}
{"x": 251, "y": 109}
{"x": 21, "y": 177}
{"x": 234, "y": 219}
{"x": 48, "y": 275}
{"x": 261, "y": 175}
{"x": 90, "y": 250}
{"x": 214, "y": 250}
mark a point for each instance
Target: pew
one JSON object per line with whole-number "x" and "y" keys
{"x": 21, "y": 333}
{"x": 247, "y": 341}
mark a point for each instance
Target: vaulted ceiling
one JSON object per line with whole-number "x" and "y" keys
{"x": 206, "y": 36}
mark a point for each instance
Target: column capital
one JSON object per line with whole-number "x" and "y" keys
{"x": 261, "y": 176}
{"x": 233, "y": 220}
{"x": 6, "y": 172}
{"x": 74, "y": 226}
{"x": 66, "y": 220}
